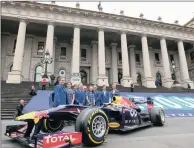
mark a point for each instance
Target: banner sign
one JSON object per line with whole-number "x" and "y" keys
{"x": 174, "y": 104}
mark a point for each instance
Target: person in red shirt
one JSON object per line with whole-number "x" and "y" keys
{"x": 43, "y": 84}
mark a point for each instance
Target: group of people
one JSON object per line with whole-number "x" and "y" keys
{"x": 80, "y": 95}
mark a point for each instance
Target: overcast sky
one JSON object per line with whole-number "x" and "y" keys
{"x": 169, "y": 11}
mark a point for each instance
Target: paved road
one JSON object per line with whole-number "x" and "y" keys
{"x": 177, "y": 133}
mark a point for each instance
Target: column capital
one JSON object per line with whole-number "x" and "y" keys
{"x": 51, "y": 22}
{"x": 94, "y": 42}
{"x": 163, "y": 37}
{"x": 113, "y": 44}
{"x": 123, "y": 31}
{"x": 23, "y": 19}
{"x": 131, "y": 46}
{"x": 179, "y": 40}
{"x": 76, "y": 25}
{"x": 101, "y": 28}
{"x": 143, "y": 34}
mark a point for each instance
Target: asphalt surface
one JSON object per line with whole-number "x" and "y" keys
{"x": 177, "y": 133}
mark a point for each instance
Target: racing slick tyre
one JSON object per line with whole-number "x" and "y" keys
{"x": 52, "y": 125}
{"x": 93, "y": 123}
{"x": 157, "y": 116}
{"x": 80, "y": 119}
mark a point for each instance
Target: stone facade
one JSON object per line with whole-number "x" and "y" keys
{"x": 103, "y": 48}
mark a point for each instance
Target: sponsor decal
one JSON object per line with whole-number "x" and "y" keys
{"x": 114, "y": 125}
{"x": 133, "y": 112}
{"x": 58, "y": 140}
{"x": 130, "y": 121}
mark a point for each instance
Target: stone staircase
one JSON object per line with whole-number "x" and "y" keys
{"x": 11, "y": 94}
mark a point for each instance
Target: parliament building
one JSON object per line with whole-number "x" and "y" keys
{"x": 100, "y": 47}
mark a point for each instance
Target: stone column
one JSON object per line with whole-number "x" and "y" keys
{"x": 183, "y": 65}
{"x": 126, "y": 80}
{"x": 167, "y": 81}
{"x": 49, "y": 46}
{"x": 76, "y": 56}
{"x": 114, "y": 63}
{"x": 133, "y": 63}
{"x": 148, "y": 81}
{"x": 15, "y": 76}
{"x": 94, "y": 68}
{"x": 102, "y": 78}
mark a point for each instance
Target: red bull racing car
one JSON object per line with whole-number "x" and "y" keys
{"x": 92, "y": 124}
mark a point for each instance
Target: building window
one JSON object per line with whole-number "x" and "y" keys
{"x": 38, "y": 72}
{"x": 192, "y": 56}
{"x": 157, "y": 58}
{"x": 63, "y": 51}
{"x": 83, "y": 54}
{"x": 171, "y": 57}
{"x": 40, "y": 48}
{"x": 137, "y": 58}
{"x": 120, "y": 56}
{"x": 14, "y": 46}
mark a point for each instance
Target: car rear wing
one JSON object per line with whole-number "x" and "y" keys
{"x": 142, "y": 100}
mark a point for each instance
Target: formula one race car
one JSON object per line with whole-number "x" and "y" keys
{"x": 92, "y": 123}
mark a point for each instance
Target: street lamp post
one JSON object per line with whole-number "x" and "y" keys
{"x": 174, "y": 69}
{"x": 47, "y": 59}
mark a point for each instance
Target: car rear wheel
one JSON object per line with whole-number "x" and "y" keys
{"x": 94, "y": 126}
{"x": 52, "y": 125}
{"x": 157, "y": 116}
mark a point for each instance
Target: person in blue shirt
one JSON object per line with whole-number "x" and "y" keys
{"x": 80, "y": 96}
{"x": 75, "y": 87}
{"x": 60, "y": 93}
{"x": 98, "y": 99}
{"x": 71, "y": 94}
{"x": 91, "y": 97}
{"x": 114, "y": 91}
{"x": 104, "y": 95}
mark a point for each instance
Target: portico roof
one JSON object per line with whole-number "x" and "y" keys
{"x": 82, "y": 12}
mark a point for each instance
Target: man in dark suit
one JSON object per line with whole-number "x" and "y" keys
{"x": 19, "y": 109}
{"x": 104, "y": 95}
{"x": 114, "y": 91}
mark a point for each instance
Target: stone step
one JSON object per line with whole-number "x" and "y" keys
{"x": 16, "y": 96}
{"x": 8, "y": 112}
{"x": 2, "y": 110}
{"x": 11, "y": 102}
{"x": 6, "y": 117}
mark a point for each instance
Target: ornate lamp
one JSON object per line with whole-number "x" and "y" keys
{"x": 46, "y": 59}
{"x": 174, "y": 69}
